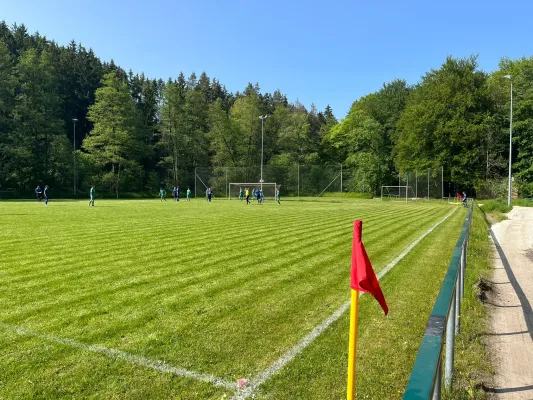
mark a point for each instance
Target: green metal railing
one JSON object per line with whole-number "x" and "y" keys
{"x": 444, "y": 323}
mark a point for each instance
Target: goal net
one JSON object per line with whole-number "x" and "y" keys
{"x": 397, "y": 193}
{"x": 269, "y": 190}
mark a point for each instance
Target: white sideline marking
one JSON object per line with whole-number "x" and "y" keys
{"x": 157, "y": 365}
{"x": 276, "y": 366}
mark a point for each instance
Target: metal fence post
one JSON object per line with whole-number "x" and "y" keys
{"x": 458, "y": 304}
{"x": 450, "y": 345}
{"x": 462, "y": 270}
{"x": 341, "y": 181}
{"x": 438, "y": 382}
{"x": 428, "y": 182}
{"x": 416, "y": 185}
{"x": 298, "y": 181}
{"x": 441, "y": 183}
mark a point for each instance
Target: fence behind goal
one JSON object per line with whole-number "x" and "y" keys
{"x": 316, "y": 181}
{"x": 293, "y": 181}
{"x": 423, "y": 184}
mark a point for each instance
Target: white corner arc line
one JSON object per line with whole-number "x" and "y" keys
{"x": 253, "y": 384}
{"x": 157, "y": 365}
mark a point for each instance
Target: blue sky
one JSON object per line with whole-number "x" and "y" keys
{"x": 322, "y": 52}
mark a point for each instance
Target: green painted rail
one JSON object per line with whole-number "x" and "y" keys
{"x": 426, "y": 376}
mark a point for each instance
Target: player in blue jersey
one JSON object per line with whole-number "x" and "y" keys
{"x": 38, "y": 193}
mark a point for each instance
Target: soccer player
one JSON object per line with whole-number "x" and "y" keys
{"x": 177, "y": 193}
{"x": 162, "y": 194}
{"x": 261, "y": 196}
{"x": 38, "y": 193}
{"x": 174, "y": 193}
{"x": 277, "y": 196}
{"x": 464, "y": 199}
{"x": 209, "y": 194}
{"x": 188, "y": 194}
{"x": 247, "y": 193}
{"x": 241, "y": 194}
{"x": 91, "y": 196}
{"x": 45, "y": 192}
{"x": 257, "y": 195}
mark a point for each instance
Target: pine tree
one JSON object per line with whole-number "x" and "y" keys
{"x": 112, "y": 140}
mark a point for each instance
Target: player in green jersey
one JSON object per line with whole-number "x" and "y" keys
{"x": 162, "y": 194}
{"x": 241, "y": 194}
{"x": 277, "y": 196}
{"x": 188, "y": 194}
{"x": 91, "y": 196}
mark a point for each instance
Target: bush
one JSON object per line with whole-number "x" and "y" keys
{"x": 498, "y": 205}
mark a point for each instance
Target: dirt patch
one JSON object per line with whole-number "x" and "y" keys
{"x": 482, "y": 287}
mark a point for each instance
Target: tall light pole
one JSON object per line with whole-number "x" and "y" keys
{"x": 262, "y": 118}
{"x": 74, "y": 120}
{"x": 510, "y": 142}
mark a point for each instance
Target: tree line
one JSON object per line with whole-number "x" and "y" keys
{"x": 133, "y": 134}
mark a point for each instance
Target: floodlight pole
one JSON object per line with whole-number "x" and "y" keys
{"x": 509, "y": 190}
{"x": 74, "y": 120}
{"x": 262, "y": 118}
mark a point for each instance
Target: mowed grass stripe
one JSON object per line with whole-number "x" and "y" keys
{"x": 102, "y": 253}
{"x": 85, "y": 271}
{"x": 142, "y": 278}
{"x": 209, "y": 312}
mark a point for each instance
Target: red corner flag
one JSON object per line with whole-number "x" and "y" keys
{"x": 363, "y": 277}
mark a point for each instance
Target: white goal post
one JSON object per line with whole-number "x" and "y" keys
{"x": 397, "y": 193}
{"x": 269, "y": 189}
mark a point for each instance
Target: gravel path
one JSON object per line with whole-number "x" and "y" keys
{"x": 510, "y": 338}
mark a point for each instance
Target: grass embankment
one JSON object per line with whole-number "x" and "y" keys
{"x": 220, "y": 288}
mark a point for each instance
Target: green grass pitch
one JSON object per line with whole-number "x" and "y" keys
{"x": 92, "y": 298}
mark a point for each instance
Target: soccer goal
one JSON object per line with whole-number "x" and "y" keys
{"x": 269, "y": 190}
{"x": 397, "y": 193}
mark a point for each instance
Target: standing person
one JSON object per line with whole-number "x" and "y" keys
{"x": 174, "y": 193}
{"x": 188, "y": 194}
{"x": 247, "y": 193}
{"x": 459, "y": 197}
{"x": 45, "y": 192}
{"x": 91, "y": 196}
{"x": 241, "y": 194}
{"x": 209, "y": 194}
{"x": 162, "y": 194}
{"x": 464, "y": 199}
{"x": 38, "y": 193}
{"x": 177, "y": 193}
{"x": 257, "y": 196}
{"x": 277, "y": 196}
{"x": 261, "y": 196}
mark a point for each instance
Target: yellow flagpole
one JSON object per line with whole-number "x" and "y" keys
{"x": 352, "y": 346}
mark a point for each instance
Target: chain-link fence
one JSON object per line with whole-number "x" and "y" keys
{"x": 314, "y": 181}
{"x": 424, "y": 184}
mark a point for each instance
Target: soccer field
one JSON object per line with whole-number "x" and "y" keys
{"x": 143, "y": 299}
